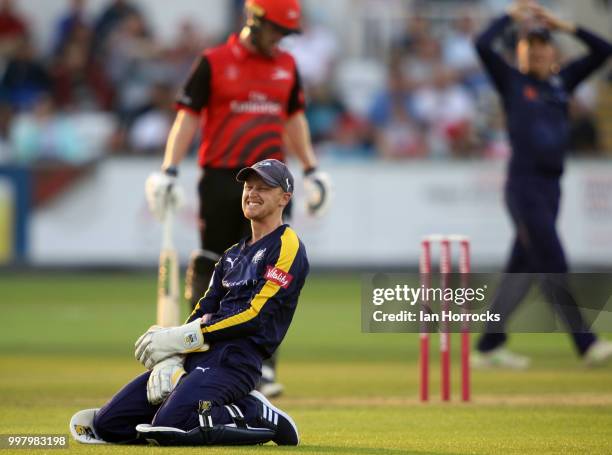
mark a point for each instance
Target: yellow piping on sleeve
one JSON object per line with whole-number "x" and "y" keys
{"x": 290, "y": 245}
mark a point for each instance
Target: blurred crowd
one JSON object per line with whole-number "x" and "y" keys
{"x": 103, "y": 85}
{"x": 106, "y": 85}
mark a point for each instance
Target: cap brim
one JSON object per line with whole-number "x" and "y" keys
{"x": 247, "y": 172}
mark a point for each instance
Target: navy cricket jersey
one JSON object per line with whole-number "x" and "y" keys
{"x": 254, "y": 291}
{"x": 536, "y": 110}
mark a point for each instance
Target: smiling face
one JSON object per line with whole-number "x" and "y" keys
{"x": 261, "y": 201}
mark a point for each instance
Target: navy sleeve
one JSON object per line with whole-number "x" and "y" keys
{"x": 195, "y": 93}
{"x": 281, "y": 280}
{"x": 577, "y": 71}
{"x": 209, "y": 304}
{"x": 497, "y": 68}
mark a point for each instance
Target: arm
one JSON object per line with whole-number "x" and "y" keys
{"x": 163, "y": 194}
{"x": 193, "y": 97}
{"x": 495, "y": 65}
{"x": 577, "y": 71}
{"x": 599, "y": 49}
{"x": 209, "y": 304}
{"x": 297, "y": 133}
{"x": 297, "y": 138}
{"x": 181, "y": 135}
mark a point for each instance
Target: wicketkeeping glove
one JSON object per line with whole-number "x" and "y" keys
{"x": 163, "y": 193}
{"x": 158, "y": 343}
{"x": 318, "y": 191}
{"x": 164, "y": 378}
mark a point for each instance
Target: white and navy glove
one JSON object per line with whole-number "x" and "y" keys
{"x": 164, "y": 378}
{"x": 318, "y": 191}
{"x": 159, "y": 343}
{"x": 163, "y": 193}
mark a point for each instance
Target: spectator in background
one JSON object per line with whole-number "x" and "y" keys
{"x": 6, "y": 117}
{"x": 584, "y": 135}
{"x": 446, "y": 109}
{"x": 459, "y": 53}
{"x": 324, "y": 113}
{"x": 188, "y": 44}
{"x": 78, "y": 80}
{"x": 418, "y": 66}
{"x": 25, "y": 78}
{"x": 13, "y": 28}
{"x": 73, "y": 18}
{"x": 417, "y": 28}
{"x": 395, "y": 131}
{"x": 46, "y": 136}
{"x": 150, "y": 129}
{"x": 110, "y": 19}
{"x": 315, "y": 51}
{"x": 134, "y": 66}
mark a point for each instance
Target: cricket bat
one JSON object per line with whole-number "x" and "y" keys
{"x": 168, "y": 300}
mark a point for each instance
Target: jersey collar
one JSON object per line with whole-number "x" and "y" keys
{"x": 241, "y": 52}
{"x": 275, "y": 232}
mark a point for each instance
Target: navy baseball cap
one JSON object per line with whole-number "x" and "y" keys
{"x": 273, "y": 172}
{"x": 539, "y": 33}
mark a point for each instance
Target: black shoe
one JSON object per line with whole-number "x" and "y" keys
{"x": 286, "y": 431}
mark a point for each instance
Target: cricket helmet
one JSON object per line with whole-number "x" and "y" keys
{"x": 284, "y": 14}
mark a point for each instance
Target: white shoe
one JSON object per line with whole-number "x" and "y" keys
{"x": 599, "y": 353}
{"x": 82, "y": 428}
{"x": 499, "y": 358}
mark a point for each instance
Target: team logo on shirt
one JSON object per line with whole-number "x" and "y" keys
{"x": 277, "y": 276}
{"x": 232, "y": 72}
{"x": 281, "y": 74}
{"x": 258, "y": 256}
{"x": 231, "y": 262}
{"x": 530, "y": 93}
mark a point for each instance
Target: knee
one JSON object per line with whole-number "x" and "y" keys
{"x": 111, "y": 428}
{"x": 181, "y": 417}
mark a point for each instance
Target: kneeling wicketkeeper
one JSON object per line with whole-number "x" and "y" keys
{"x": 199, "y": 389}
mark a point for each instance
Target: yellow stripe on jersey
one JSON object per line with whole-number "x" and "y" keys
{"x": 290, "y": 245}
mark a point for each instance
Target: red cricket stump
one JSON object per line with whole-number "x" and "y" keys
{"x": 464, "y": 270}
{"x": 445, "y": 338}
{"x": 425, "y": 273}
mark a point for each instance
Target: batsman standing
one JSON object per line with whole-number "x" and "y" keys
{"x": 199, "y": 390}
{"x": 246, "y": 99}
{"x": 535, "y": 98}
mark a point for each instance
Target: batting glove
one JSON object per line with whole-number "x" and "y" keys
{"x": 163, "y": 193}
{"x": 158, "y": 343}
{"x": 318, "y": 191}
{"x": 164, "y": 378}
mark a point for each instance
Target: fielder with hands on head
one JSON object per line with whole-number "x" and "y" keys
{"x": 199, "y": 389}
{"x": 246, "y": 99}
{"x": 535, "y": 98}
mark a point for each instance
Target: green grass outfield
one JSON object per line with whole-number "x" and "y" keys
{"x": 66, "y": 343}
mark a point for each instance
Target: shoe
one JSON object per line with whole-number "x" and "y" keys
{"x": 599, "y": 353}
{"x": 82, "y": 427}
{"x": 499, "y": 358}
{"x": 286, "y": 431}
{"x": 268, "y": 385}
